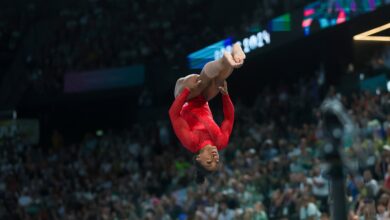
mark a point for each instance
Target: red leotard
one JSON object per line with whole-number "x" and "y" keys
{"x": 194, "y": 125}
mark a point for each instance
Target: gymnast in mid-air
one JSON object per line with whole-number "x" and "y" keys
{"x": 191, "y": 116}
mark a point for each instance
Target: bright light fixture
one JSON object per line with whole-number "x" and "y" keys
{"x": 365, "y": 36}
{"x": 388, "y": 86}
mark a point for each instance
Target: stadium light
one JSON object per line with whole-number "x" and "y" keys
{"x": 366, "y": 36}
{"x": 388, "y": 86}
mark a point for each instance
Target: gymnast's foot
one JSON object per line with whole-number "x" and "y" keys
{"x": 236, "y": 58}
{"x": 238, "y": 54}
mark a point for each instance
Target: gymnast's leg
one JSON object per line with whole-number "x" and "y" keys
{"x": 213, "y": 75}
{"x": 224, "y": 67}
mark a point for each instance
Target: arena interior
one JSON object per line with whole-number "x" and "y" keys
{"x": 86, "y": 87}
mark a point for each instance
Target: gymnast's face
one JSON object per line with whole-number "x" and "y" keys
{"x": 209, "y": 158}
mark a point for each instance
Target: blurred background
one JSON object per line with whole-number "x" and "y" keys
{"x": 85, "y": 88}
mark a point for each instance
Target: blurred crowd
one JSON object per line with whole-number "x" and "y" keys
{"x": 103, "y": 34}
{"x": 14, "y": 24}
{"x": 272, "y": 168}
{"x": 98, "y": 34}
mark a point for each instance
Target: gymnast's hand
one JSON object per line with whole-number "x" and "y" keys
{"x": 194, "y": 85}
{"x": 223, "y": 89}
{"x": 236, "y": 58}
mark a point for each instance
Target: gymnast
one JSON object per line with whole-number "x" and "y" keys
{"x": 191, "y": 116}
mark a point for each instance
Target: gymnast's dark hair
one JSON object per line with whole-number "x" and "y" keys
{"x": 200, "y": 172}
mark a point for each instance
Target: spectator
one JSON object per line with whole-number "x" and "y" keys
{"x": 371, "y": 184}
{"x": 308, "y": 210}
{"x": 320, "y": 187}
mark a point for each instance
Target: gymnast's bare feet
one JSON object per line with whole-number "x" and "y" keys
{"x": 236, "y": 58}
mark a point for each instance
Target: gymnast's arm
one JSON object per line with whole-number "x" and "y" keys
{"x": 227, "y": 124}
{"x": 180, "y": 126}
